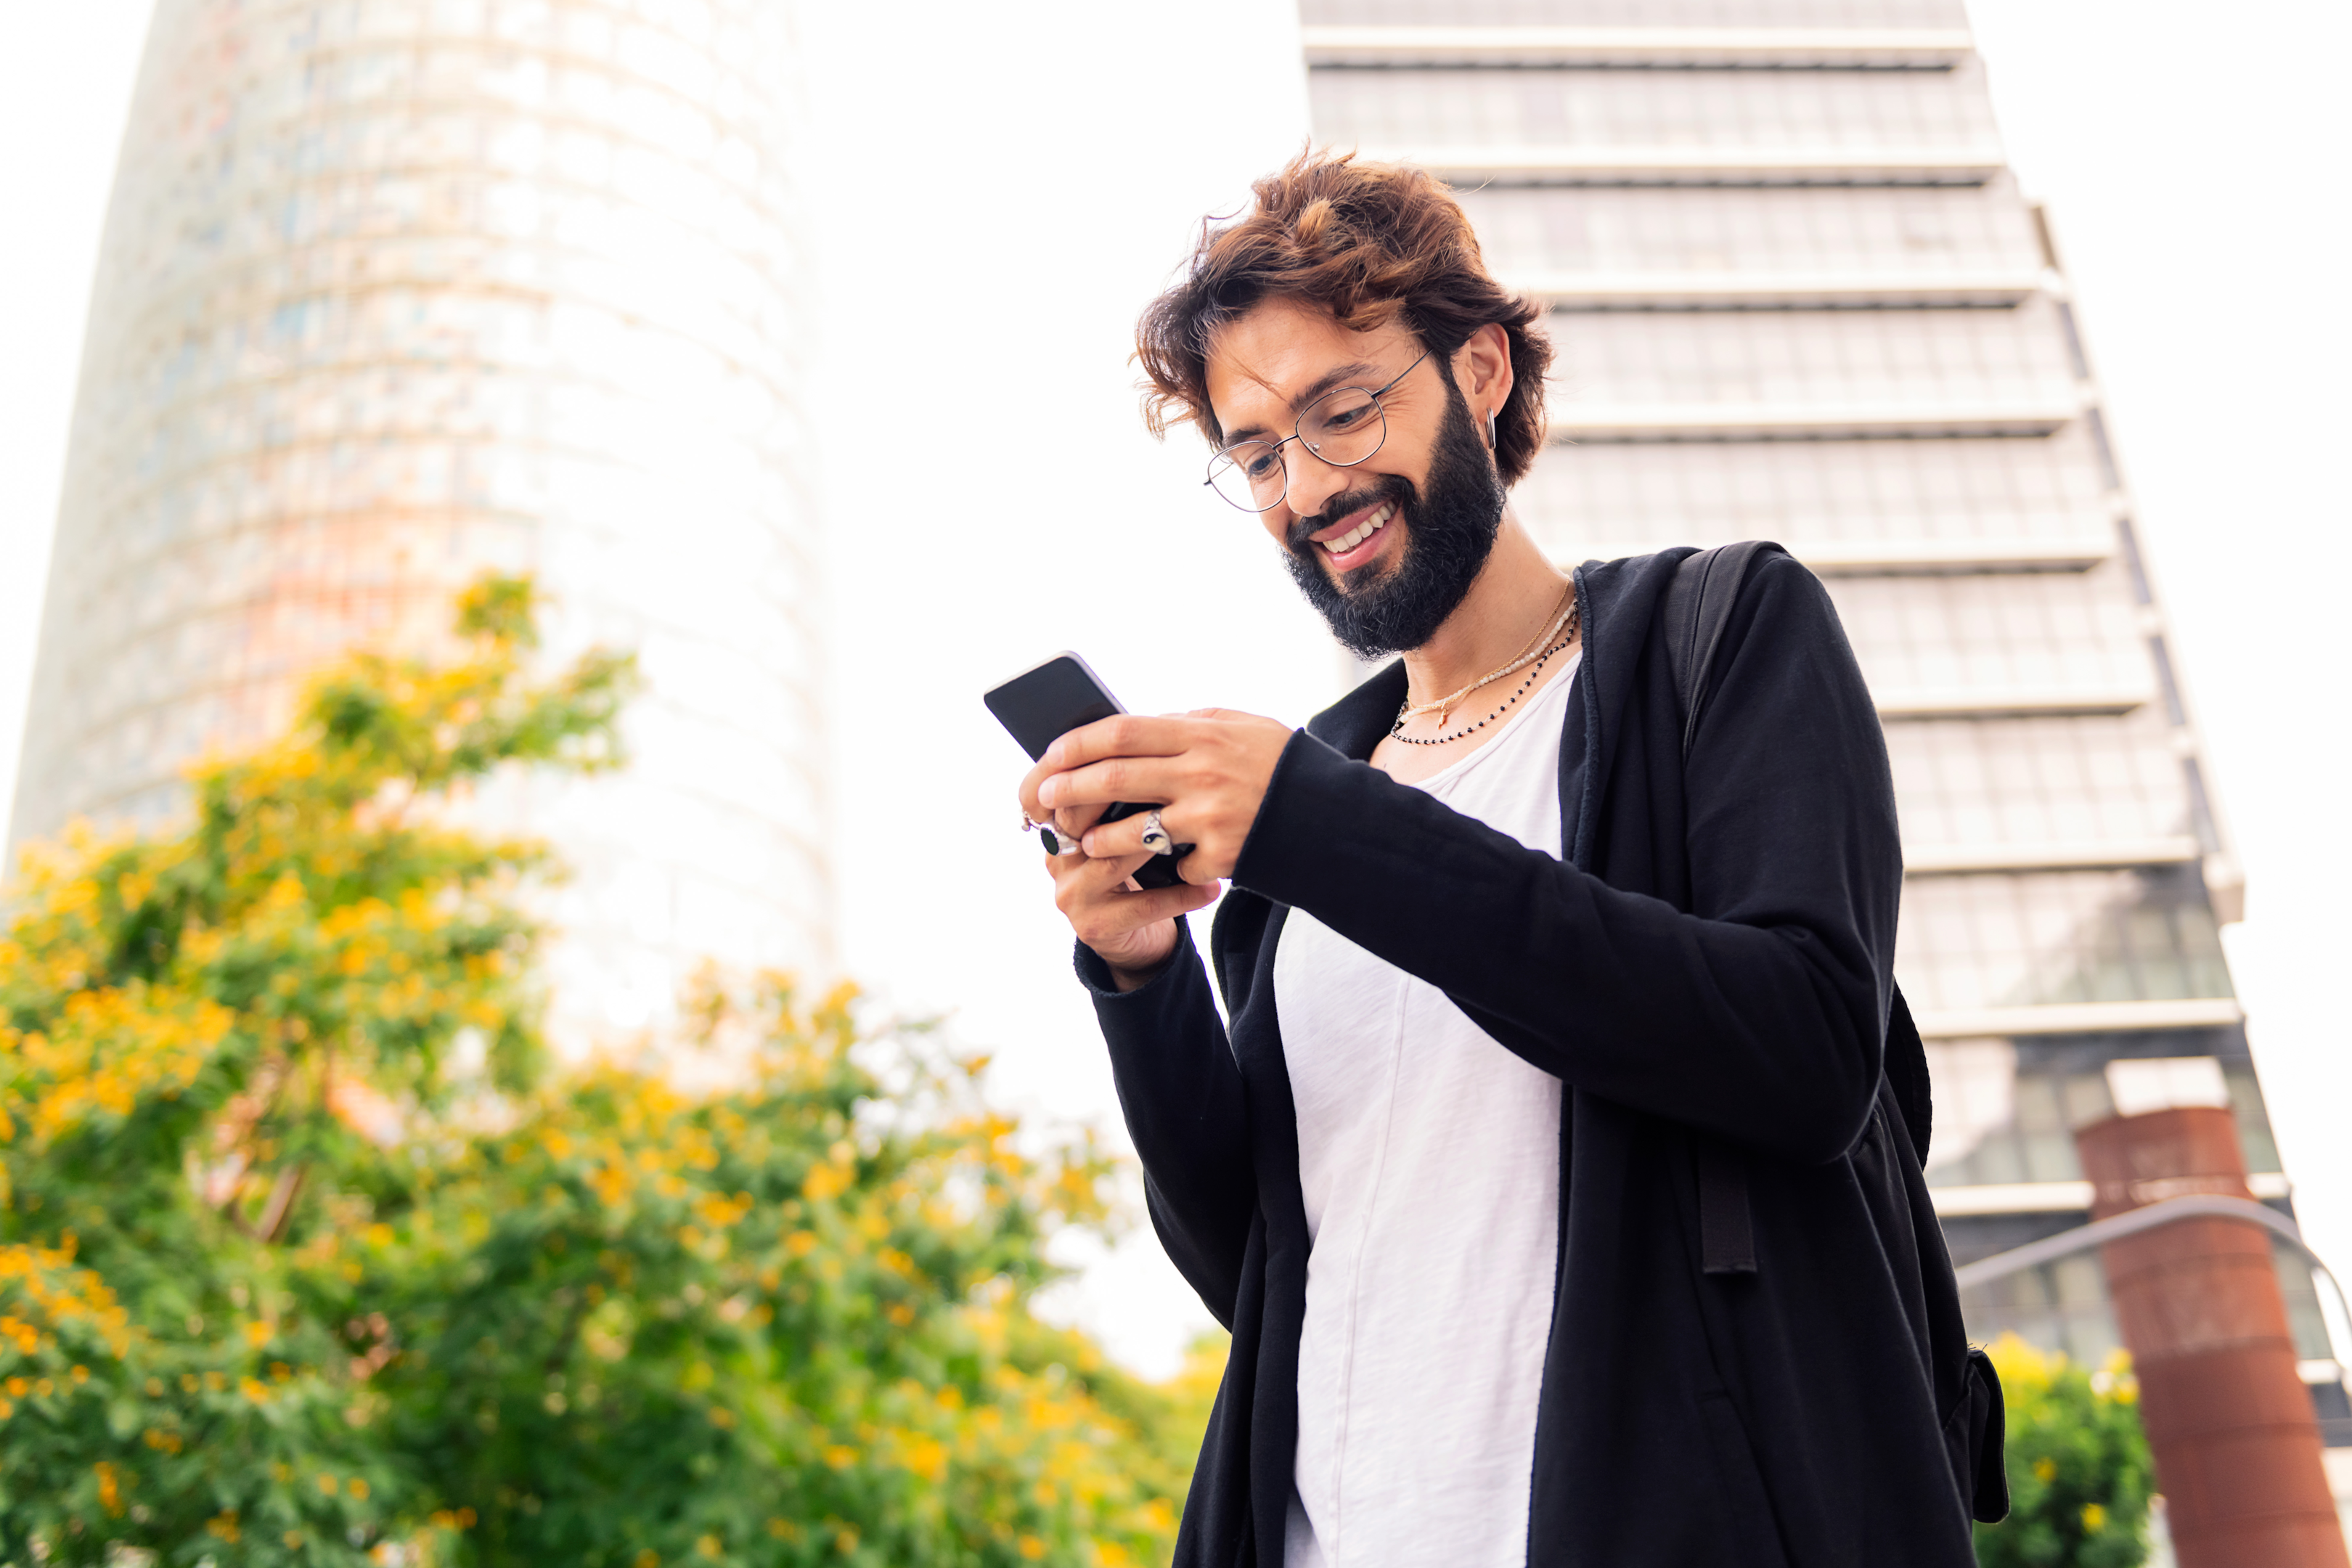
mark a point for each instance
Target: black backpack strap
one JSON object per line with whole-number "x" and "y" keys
{"x": 1696, "y": 607}
{"x": 1906, "y": 1067}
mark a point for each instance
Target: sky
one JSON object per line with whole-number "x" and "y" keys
{"x": 993, "y": 194}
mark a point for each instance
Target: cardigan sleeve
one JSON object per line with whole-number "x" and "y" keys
{"x": 1759, "y": 1016}
{"x": 1181, "y": 1093}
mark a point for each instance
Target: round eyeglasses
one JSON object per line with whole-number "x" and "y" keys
{"x": 1342, "y": 427}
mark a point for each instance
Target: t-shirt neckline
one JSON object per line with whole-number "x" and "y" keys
{"x": 1460, "y": 765}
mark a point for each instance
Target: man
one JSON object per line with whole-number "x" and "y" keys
{"x": 1548, "y": 1175}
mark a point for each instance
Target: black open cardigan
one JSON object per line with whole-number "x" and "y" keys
{"x": 1711, "y": 963}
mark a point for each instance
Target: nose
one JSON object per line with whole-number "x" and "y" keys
{"x": 1313, "y": 481}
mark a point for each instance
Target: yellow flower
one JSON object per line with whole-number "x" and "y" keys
{"x": 2045, "y": 1470}
{"x": 707, "y": 1544}
{"x": 2094, "y": 1518}
{"x": 648, "y": 1558}
{"x": 1031, "y": 1548}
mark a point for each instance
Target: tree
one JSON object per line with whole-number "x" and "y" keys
{"x": 284, "y": 1277}
{"x": 2079, "y": 1468}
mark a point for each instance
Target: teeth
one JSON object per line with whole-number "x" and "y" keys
{"x": 1360, "y": 532}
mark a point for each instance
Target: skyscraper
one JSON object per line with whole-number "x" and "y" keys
{"x": 1797, "y": 296}
{"x": 393, "y": 291}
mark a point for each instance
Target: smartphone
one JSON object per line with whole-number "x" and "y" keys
{"x": 1046, "y": 702}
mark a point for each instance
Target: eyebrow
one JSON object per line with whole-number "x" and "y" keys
{"x": 1339, "y": 375}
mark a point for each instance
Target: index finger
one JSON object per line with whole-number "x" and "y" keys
{"x": 1073, "y": 820}
{"x": 1121, "y": 735}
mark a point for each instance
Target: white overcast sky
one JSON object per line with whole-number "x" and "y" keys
{"x": 998, "y": 189}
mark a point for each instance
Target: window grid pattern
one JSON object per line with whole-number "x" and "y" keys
{"x": 395, "y": 292}
{"x": 1631, "y": 496}
{"x": 1814, "y": 111}
{"x": 1891, "y": 359}
{"x": 1935, "y": 13}
{"x": 2049, "y": 632}
{"x": 1996, "y": 1122}
{"x": 2077, "y": 779}
{"x": 1755, "y": 234}
{"x": 2065, "y": 1306}
{"x": 2060, "y": 1306}
{"x": 2057, "y": 938}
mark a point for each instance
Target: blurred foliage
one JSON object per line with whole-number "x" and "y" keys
{"x": 2080, "y": 1473}
{"x": 306, "y": 1256}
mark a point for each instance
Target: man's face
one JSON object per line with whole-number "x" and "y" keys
{"x": 1387, "y": 548}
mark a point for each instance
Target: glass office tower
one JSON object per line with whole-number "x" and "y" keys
{"x": 393, "y": 291}
{"x": 1798, "y": 296}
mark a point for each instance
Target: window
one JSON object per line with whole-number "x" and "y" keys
{"x": 2044, "y": 938}
{"x": 2069, "y": 779}
{"x": 1942, "y": 13}
{"x": 1629, "y": 496}
{"x": 1996, "y": 634}
{"x": 1755, "y": 233}
{"x": 1812, "y": 111}
{"x": 1896, "y": 359}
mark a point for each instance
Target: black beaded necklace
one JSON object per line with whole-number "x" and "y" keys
{"x": 1396, "y": 731}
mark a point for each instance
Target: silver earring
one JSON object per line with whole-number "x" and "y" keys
{"x": 1491, "y": 436}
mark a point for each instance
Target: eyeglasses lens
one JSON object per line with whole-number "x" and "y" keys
{"x": 1250, "y": 474}
{"x": 1342, "y": 427}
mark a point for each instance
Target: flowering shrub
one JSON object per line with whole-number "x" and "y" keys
{"x": 2079, "y": 1468}
{"x": 283, "y": 1279}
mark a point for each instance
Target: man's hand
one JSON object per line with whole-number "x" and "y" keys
{"x": 1207, "y": 770}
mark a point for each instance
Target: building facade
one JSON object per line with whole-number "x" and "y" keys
{"x": 1797, "y": 296}
{"x": 395, "y": 291}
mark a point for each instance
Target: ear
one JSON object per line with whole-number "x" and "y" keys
{"x": 1482, "y": 369}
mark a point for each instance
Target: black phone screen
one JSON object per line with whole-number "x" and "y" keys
{"x": 1042, "y": 704}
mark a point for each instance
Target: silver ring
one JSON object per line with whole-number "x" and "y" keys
{"x": 1155, "y": 835}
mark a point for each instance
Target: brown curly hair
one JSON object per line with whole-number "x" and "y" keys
{"x": 1371, "y": 243}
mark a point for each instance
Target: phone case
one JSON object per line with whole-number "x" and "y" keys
{"x": 1048, "y": 701}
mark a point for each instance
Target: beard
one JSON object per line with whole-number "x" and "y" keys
{"x": 1450, "y": 530}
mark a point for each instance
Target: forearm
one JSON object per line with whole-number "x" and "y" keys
{"x": 1182, "y": 1099}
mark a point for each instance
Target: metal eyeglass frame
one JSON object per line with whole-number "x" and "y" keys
{"x": 1298, "y": 435}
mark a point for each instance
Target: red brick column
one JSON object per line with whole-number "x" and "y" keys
{"x": 2237, "y": 1446}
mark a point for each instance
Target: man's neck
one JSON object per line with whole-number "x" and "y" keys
{"x": 1517, "y": 596}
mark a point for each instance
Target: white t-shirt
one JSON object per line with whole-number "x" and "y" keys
{"x": 1428, "y": 1157}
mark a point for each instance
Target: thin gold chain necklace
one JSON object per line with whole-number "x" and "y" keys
{"x": 1396, "y": 731}
{"x": 1444, "y": 706}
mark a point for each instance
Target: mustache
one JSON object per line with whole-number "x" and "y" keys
{"x": 1391, "y": 487}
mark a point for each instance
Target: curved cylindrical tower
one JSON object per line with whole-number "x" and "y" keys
{"x": 393, "y": 291}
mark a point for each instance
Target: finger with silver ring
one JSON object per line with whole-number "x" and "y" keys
{"x": 1055, "y": 842}
{"x": 1156, "y": 837}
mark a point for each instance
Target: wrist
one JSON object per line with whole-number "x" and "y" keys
{"x": 1135, "y": 977}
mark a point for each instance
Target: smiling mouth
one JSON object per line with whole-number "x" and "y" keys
{"x": 1360, "y": 532}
